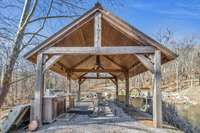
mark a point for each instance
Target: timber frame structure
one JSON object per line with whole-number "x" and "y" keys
{"x": 99, "y": 42}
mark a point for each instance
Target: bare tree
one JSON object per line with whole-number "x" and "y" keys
{"x": 31, "y": 29}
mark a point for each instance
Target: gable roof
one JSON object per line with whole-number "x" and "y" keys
{"x": 85, "y": 17}
{"x": 121, "y": 31}
{"x": 129, "y": 29}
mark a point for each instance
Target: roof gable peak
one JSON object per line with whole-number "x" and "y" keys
{"x": 98, "y": 5}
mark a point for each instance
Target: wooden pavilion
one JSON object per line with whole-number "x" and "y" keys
{"x": 99, "y": 42}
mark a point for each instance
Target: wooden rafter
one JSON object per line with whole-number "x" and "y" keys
{"x": 81, "y": 62}
{"x": 114, "y": 62}
{"x": 83, "y": 35}
{"x": 146, "y": 62}
{"x": 134, "y": 66}
{"x": 52, "y": 61}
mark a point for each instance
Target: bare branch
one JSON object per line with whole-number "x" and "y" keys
{"x": 71, "y": 4}
{"x": 24, "y": 78}
{"x": 30, "y": 15}
{"x": 48, "y": 12}
{"x": 9, "y": 6}
{"x": 36, "y": 34}
{"x": 53, "y": 17}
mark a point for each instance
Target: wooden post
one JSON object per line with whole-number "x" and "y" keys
{"x": 71, "y": 97}
{"x": 117, "y": 89}
{"x": 39, "y": 90}
{"x": 97, "y": 30}
{"x": 157, "y": 98}
{"x": 79, "y": 91}
{"x": 126, "y": 74}
{"x": 69, "y": 82}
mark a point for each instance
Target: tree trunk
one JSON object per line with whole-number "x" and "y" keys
{"x": 8, "y": 68}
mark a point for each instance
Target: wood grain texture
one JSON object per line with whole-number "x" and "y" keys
{"x": 97, "y": 30}
{"x": 100, "y": 51}
{"x": 39, "y": 90}
{"x": 51, "y": 61}
{"x": 146, "y": 62}
{"x": 157, "y": 98}
{"x": 126, "y": 74}
{"x": 100, "y": 29}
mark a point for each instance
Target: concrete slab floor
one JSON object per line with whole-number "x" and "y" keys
{"x": 115, "y": 120}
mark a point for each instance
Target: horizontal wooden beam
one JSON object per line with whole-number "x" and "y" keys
{"x": 100, "y": 51}
{"x": 97, "y": 78}
{"x": 96, "y": 70}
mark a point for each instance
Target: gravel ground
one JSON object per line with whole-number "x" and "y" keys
{"x": 117, "y": 122}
